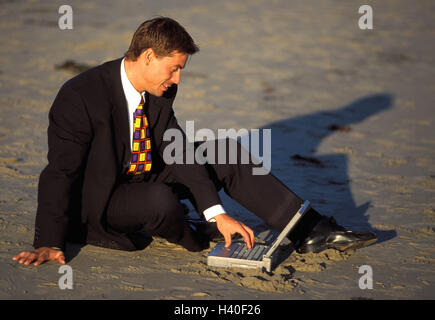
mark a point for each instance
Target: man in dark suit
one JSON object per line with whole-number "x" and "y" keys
{"x": 106, "y": 177}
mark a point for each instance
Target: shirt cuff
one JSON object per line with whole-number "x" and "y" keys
{"x": 213, "y": 211}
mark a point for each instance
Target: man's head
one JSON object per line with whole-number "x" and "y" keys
{"x": 157, "y": 53}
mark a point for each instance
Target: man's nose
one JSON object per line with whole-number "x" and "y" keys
{"x": 176, "y": 77}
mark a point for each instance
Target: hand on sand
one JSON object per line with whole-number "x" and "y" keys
{"x": 229, "y": 226}
{"x": 40, "y": 255}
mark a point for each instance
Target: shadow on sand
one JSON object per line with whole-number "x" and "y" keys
{"x": 295, "y": 142}
{"x": 323, "y": 179}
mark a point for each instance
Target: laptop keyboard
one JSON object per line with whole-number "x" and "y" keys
{"x": 243, "y": 252}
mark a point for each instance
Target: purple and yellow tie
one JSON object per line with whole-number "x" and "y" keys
{"x": 141, "y": 152}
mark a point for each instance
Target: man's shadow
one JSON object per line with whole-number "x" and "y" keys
{"x": 323, "y": 179}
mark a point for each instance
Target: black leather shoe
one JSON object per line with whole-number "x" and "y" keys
{"x": 327, "y": 234}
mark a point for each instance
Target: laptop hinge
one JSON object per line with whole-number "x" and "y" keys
{"x": 304, "y": 207}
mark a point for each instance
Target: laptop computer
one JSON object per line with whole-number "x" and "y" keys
{"x": 259, "y": 256}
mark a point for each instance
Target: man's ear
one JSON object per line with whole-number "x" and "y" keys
{"x": 147, "y": 56}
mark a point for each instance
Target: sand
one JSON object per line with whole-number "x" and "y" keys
{"x": 351, "y": 113}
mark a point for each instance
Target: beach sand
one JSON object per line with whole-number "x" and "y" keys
{"x": 352, "y": 118}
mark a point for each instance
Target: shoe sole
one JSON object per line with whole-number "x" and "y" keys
{"x": 340, "y": 247}
{"x": 354, "y": 246}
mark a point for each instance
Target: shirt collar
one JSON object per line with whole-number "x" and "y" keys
{"x": 133, "y": 97}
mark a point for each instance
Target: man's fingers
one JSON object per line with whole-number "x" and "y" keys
{"x": 45, "y": 256}
{"x": 251, "y": 234}
{"x": 246, "y": 237}
{"x": 30, "y": 258}
{"x": 40, "y": 260}
{"x": 227, "y": 240}
{"x": 20, "y": 255}
{"x": 39, "y": 256}
{"x": 229, "y": 226}
{"x": 61, "y": 258}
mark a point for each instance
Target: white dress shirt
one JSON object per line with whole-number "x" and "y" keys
{"x": 133, "y": 99}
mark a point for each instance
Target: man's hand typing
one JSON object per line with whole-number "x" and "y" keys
{"x": 229, "y": 226}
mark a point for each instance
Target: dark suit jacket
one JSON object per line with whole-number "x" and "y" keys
{"x": 88, "y": 152}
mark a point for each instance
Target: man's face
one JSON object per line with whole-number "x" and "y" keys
{"x": 162, "y": 72}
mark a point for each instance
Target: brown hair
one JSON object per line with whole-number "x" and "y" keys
{"x": 164, "y": 35}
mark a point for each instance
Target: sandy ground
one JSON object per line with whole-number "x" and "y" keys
{"x": 351, "y": 113}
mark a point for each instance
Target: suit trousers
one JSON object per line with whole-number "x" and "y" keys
{"x": 153, "y": 203}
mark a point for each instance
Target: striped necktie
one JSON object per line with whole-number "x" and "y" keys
{"x": 141, "y": 151}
